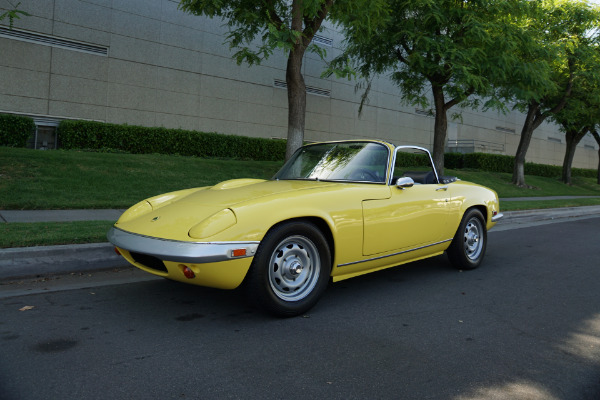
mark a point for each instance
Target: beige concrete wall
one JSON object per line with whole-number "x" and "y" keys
{"x": 168, "y": 68}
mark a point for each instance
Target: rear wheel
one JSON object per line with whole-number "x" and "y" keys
{"x": 290, "y": 270}
{"x": 468, "y": 246}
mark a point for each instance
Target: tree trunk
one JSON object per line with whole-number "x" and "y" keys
{"x": 573, "y": 138}
{"x": 440, "y": 128}
{"x": 597, "y": 137}
{"x": 529, "y": 126}
{"x": 296, "y": 90}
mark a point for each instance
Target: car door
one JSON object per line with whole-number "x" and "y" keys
{"x": 412, "y": 217}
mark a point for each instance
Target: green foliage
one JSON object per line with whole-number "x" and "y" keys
{"x": 99, "y": 136}
{"x": 282, "y": 24}
{"x": 15, "y": 130}
{"x": 13, "y": 14}
{"x": 461, "y": 47}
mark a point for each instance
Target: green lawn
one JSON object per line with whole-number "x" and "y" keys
{"x": 500, "y": 182}
{"x": 33, "y": 179}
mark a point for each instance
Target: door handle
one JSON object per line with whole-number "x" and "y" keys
{"x": 444, "y": 188}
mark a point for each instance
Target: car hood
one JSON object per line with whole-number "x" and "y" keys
{"x": 171, "y": 216}
{"x": 229, "y": 193}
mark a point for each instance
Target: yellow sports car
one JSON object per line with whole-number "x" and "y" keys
{"x": 335, "y": 210}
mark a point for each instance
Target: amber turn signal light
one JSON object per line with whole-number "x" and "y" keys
{"x": 238, "y": 253}
{"x": 188, "y": 273}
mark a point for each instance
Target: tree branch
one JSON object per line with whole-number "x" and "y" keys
{"x": 400, "y": 56}
{"x": 312, "y": 26}
{"x": 596, "y": 136}
{"x": 563, "y": 101}
{"x": 457, "y": 100}
{"x": 275, "y": 19}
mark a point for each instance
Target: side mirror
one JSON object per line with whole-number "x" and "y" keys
{"x": 405, "y": 182}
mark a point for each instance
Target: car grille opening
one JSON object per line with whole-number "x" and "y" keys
{"x": 149, "y": 261}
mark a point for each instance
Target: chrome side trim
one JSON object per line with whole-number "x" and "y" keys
{"x": 496, "y": 217}
{"x": 178, "y": 251}
{"x": 395, "y": 254}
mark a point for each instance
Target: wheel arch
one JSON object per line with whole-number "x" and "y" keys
{"x": 320, "y": 223}
{"x": 483, "y": 209}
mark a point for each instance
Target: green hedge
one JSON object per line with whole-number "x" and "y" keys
{"x": 100, "y": 136}
{"x": 15, "y": 130}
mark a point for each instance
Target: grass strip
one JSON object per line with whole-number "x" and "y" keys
{"x": 53, "y": 233}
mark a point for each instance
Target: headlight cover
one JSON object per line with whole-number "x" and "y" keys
{"x": 141, "y": 208}
{"x": 214, "y": 224}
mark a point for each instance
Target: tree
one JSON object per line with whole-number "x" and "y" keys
{"x": 560, "y": 28}
{"x": 455, "y": 49}
{"x": 288, "y": 25}
{"x": 13, "y": 13}
{"x": 581, "y": 113}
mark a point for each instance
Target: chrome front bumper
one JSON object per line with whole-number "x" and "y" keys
{"x": 179, "y": 251}
{"x": 496, "y": 217}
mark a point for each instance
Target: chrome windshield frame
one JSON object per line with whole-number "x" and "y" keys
{"x": 393, "y": 162}
{"x": 389, "y": 147}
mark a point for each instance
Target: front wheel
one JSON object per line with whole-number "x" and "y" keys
{"x": 468, "y": 246}
{"x": 290, "y": 270}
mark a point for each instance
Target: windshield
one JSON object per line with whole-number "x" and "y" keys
{"x": 344, "y": 161}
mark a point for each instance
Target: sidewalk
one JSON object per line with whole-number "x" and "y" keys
{"x": 31, "y": 262}
{"x": 59, "y": 215}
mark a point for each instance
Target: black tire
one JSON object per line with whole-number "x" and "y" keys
{"x": 468, "y": 246}
{"x": 290, "y": 270}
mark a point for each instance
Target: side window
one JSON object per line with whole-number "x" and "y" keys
{"x": 416, "y": 164}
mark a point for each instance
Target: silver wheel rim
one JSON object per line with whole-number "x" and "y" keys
{"x": 294, "y": 268}
{"x": 473, "y": 239}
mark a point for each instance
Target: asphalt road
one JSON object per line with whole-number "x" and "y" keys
{"x": 525, "y": 325}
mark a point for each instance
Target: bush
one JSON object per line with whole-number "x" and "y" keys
{"x": 100, "y": 136}
{"x": 15, "y": 130}
{"x": 488, "y": 162}
{"x": 453, "y": 160}
{"x": 548, "y": 171}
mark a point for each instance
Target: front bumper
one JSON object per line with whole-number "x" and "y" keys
{"x": 497, "y": 217}
{"x": 179, "y": 251}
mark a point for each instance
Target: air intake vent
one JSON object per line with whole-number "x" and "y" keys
{"x": 47, "y": 40}
{"x": 428, "y": 113}
{"x": 280, "y": 84}
{"x": 505, "y": 129}
{"x": 318, "y": 92}
{"x": 322, "y": 40}
{"x": 309, "y": 89}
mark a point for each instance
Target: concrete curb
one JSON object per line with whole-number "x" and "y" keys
{"x": 526, "y": 216}
{"x": 24, "y": 262}
{"x": 28, "y": 262}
